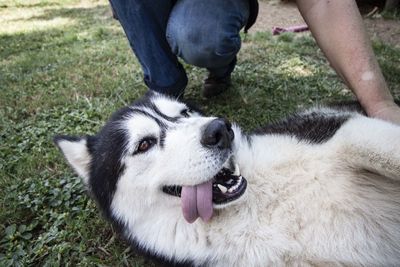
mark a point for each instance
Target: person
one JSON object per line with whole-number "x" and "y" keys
{"x": 202, "y": 33}
{"x": 339, "y": 31}
{"x": 206, "y": 34}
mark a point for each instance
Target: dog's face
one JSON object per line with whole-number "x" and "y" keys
{"x": 158, "y": 154}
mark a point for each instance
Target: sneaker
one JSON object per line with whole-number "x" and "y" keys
{"x": 214, "y": 86}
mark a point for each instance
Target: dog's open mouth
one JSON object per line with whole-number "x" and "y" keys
{"x": 197, "y": 201}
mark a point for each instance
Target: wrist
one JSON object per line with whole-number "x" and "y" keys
{"x": 374, "y": 109}
{"x": 374, "y": 96}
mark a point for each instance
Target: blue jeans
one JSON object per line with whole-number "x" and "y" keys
{"x": 204, "y": 33}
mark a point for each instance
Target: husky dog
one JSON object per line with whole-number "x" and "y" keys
{"x": 320, "y": 188}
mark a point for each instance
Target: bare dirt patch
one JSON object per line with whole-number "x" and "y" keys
{"x": 277, "y": 14}
{"x": 282, "y": 14}
{"x": 386, "y": 30}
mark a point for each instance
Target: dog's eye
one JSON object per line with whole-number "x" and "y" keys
{"x": 145, "y": 144}
{"x": 186, "y": 112}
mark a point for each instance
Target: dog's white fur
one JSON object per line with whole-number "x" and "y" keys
{"x": 330, "y": 204}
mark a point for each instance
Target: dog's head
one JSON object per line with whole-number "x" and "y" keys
{"x": 158, "y": 153}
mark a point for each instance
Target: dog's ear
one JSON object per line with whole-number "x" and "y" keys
{"x": 78, "y": 152}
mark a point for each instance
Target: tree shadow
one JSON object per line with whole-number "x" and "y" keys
{"x": 30, "y": 5}
{"x": 78, "y": 13}
{"x": 14, "y": 43}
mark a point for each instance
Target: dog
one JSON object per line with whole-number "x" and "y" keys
{"x": 319, "y": 188}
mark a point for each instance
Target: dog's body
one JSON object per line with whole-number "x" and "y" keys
{"x": 323, "y": 186}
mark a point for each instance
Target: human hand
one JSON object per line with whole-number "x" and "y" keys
{"x": 387, "y": 111}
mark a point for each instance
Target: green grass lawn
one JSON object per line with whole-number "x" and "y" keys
{"x": 65, "y": 66}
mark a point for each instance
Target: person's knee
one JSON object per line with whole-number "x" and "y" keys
{"x": 215, "y": 53}
{"x": 204, "y": 48}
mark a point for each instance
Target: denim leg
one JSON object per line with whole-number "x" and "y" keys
{"x": 206, "y": 33}
{"x": 144, "y": 23}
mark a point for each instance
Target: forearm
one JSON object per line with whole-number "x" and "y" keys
{"x": 338, "y": 29}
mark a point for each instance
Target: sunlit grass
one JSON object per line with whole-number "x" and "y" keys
{"x": 27, "y": 16}
{"x": 296, "y": 67}
{"x": 65, "y": 66}
{"x": 14, "y": 27}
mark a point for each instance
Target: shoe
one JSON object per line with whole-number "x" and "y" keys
{"x": 214, "y": 86}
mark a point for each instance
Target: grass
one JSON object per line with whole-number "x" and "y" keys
{"x": 392, "y": 14}
{"x": 65, "y": 66}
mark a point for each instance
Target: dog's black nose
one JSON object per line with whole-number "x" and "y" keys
{"x": 217, "y": 134}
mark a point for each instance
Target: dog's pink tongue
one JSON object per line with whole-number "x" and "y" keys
{"x": 189, "y": 203}
{"x": 197, "y": 201}
{"x": 204, "y": 201}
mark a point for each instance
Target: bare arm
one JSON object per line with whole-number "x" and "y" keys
{"x": 338, "y": 28}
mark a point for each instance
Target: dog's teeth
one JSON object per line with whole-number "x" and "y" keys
{"x": 229, "y": 182}
{"x": 236, "y": 186}
{"x": 222, "y": 188}
{"x": 233, "y": 188}
{"x": 237, "y": 170}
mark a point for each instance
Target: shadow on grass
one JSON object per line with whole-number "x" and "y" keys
{"x": 90, "y": 58}
{"x": 84, "y": 14}
{"x": 29, "y": 5}
{"x": 83, "y": 18}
